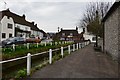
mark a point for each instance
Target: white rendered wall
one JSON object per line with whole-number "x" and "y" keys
{"x": 37, "y": 34}
{"x": 5, "y": 29}
{"x": 23, "y": 27}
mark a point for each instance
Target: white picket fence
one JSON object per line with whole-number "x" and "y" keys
{"x": 74, "y": 47}
{"x": 42, "y": 43}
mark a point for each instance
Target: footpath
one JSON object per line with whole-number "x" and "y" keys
{"x": 84, "y": 63}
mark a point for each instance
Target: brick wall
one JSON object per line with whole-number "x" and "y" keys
{"x": 111, "y": 34}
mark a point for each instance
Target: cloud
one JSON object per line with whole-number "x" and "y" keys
{"x": 50, "y": 14}
{"x": 60, "y": 0}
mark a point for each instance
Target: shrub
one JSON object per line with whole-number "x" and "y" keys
{"x": 21, "y": 73}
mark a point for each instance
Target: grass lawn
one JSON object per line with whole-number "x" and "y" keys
{"x": 21, "y": 50}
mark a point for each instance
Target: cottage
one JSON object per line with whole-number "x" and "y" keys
{"x": 36, "y": 32}
{"x": 69, "y": 35}
{"x": 13, "y": 25}
{"x": 111, "y": 23}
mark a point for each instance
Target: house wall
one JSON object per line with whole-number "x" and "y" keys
{"x": 4, "y": 27}
{"x": 40, "y": 35}
{"x": 37, "y": 33}
{"x": 119, "y": 32}
{"x": 111, "y": 35}
{"x": 87, "y": 36}
{"x": 24, "y": 28}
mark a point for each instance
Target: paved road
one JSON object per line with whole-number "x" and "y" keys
{"x": 84, "y": 63}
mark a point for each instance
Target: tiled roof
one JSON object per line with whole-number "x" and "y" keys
{"x": 67, "y": 32}
{"x": 19, "y": 19}
{"x": 111, "y": 10}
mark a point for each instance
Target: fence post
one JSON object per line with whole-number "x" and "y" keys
{"x": 51, "y": 43}
{"x": 69, "y": 49}
{"x": 45, "y": 43}
{"x": 28, "y": 63}
{"x": 83, "y": 44}
{"x": 13, "y": 47}
{"x": 50, "y": 56}
{"x": 73, "y": 47}
{"x": 62, "y": 51}
{"x": 77, "y": 46}
{"x": 88, "y": 43}
{"x": 24, "y": 44}
{"x": 28, "y": 45}
{"x": 37, "y": 45}
{"x": 55, "y": 43}
{"x": 80, "y": 45}
{"x": 59, "y": 42}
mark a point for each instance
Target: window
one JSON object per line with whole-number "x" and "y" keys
{"x": 3, "y": 35}
{"x": 10, "y": 26}
{"x": 10, "y": 35}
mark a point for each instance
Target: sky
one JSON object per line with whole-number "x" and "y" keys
{"x": 50, "y": 14}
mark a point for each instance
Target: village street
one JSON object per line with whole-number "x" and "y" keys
{"x": 84, "y": 63}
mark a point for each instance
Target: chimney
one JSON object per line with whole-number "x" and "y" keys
{"x": 33, "y": 22}
{"x": 84, "y": 30}
{"x": 36, "y": 25}
{"x": 58, "y": 29}
{"x": 23, "y": 16}
{"x": 7, "y": 9}
{"x": 76, "y": 28}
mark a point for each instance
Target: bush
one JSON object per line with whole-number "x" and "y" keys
{"x": 21, "y": 73}
{"x": 21, "y": 50}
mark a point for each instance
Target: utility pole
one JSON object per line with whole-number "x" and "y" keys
{"x": 58, "y": 29}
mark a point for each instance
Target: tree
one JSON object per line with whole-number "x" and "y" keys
{"x": 93, "y": 16}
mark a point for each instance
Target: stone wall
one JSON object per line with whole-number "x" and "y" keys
{"x": 119, "y": 33}
{"x": 111, "y": 35}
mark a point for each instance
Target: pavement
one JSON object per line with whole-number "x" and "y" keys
{"x": 84, "y": 63}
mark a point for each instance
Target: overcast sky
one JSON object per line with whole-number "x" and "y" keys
{"x": 50, "y": 14}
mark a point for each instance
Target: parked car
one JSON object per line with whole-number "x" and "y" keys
{"x": 13, "y": 40}
{"x": 33, "y": 40}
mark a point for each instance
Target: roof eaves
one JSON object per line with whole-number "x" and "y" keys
{"x": 111, "y": 10}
